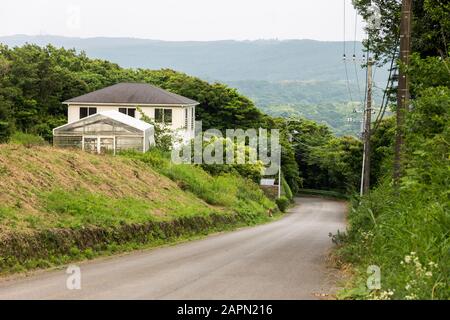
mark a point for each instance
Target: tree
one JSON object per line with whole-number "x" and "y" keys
{"x": 430, "y": 33}
{"x": 6, "y": 119}
{"x": 252, "y": 171}
{"x": 164, "y": 137}
{"x": 35, "y": 80}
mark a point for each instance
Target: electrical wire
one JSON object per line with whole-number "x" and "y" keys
{"x": 345, "y": 57}
{"x": 354, "y": 57}
{"x": 389, "y": 84}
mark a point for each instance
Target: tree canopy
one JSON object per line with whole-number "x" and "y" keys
{"x": 430, "y": 27}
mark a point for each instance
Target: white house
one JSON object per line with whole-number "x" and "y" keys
{"x": 170, "y": 109}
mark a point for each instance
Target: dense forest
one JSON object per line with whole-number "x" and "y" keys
{"x": 337, "y": 104}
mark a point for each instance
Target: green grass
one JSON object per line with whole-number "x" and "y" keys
{"x": 26, "y": 139}
{"x": 324, "y": 193}
{"x": 229, "y": 190}
{"x": 407, "y": 236}
{"x": 80, "y": 208}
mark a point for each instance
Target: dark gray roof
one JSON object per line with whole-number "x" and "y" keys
{"x": 133, "y": 93}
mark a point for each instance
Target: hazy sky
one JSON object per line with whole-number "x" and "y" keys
{"x": 181, "y": 19}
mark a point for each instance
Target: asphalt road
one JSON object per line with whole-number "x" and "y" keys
{"x": 285, "y": 259}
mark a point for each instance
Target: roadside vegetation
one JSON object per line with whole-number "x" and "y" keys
{"x": 229, "y": 190}
{"x": 405, "y": 231}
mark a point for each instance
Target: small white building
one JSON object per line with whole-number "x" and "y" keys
{"x": 105, "y": 132}
{"x": 171, "y": 110}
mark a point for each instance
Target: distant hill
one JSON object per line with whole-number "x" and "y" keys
{"x": 270, "y": 60}
{"x": 271, "y": 72}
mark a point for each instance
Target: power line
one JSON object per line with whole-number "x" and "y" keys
{"x": 354, "y": 56}
{"x": 345, "y": 56}
{"x": 356, "y": 25}
{"x": 389, "y": 85}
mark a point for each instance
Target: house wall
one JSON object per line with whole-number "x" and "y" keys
{"x": 178, "y": 116}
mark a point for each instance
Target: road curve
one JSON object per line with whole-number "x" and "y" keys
{"x": 285, "y": 259}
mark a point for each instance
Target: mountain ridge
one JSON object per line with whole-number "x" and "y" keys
{"x": 219, "y": 60}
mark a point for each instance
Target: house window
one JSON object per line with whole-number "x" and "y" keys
{"x": 128, "y": 111}
{"x": 192, "y": 117}
{"x": 87, "y": 111}
{"x": 186, "y": 118}
{"x": 158, "y": 115}
{"x": 163, "y": 115}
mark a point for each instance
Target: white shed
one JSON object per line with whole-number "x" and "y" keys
{"x": 105, "y": 132}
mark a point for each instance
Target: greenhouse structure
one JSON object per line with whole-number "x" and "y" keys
{"x": 105, "y": 132}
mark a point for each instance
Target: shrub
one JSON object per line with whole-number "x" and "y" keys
{"x": 5, "y": 130}
{"x": 406, "y": 235}
{"x": 286, "y": 189}
{"x": 252, "y": 171}
{"x": 282, "y": 203}
{"x": 27, "y": 139}
{"x": 228, "y": 190}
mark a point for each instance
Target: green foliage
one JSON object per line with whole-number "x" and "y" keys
{"x": 286, "y": 190}
{"x": 81, "y": 208}
{"x": 428, "y": 72}
{"x": 226, "y": 190}
{"x": 325, "y": 161}
{"x": 252, "y": 171}
{"x": 34, "y": 81}
{"x": 27, "y": 139}
{"x": 325, "y": 102}
{"x": 220, "y": 107}
{"x": 282, "y": 203}
{"x": 382, "y": 145}
{"x": 6, "y": 123}
{"x": 339, "y": 161}
{"x": 406, "y": 233}
{"x": 324, "y": 194}
{"x": 6, "y": 130}
{"x": 386, "y": 228}
{"x": 430, "y": 29}
{"x": 163, "y": 135}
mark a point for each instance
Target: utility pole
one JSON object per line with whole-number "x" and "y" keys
{"x": 403, "y": 88}
{"x": 279, "y": 180}
{"x": 365, "y": 175}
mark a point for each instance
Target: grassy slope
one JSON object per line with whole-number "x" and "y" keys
{"x": 43, "y": 187}
{"x": 50, "y": 195}
{"x": 407, "y": 236}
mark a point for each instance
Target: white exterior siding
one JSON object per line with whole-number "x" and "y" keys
{"x": 178, "y": 115}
